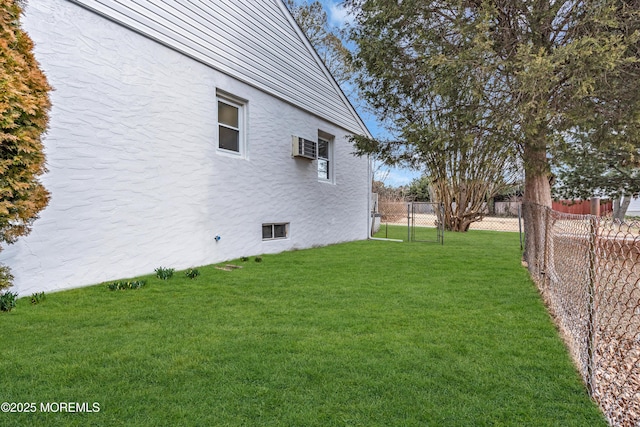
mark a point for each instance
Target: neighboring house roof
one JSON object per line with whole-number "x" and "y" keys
{"x": 257, "y": 42}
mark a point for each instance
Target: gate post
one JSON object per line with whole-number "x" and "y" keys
{"x": 408, "y": 221}
{"x": 591, "y": 302}
{"x": 441, "y": 225}
{"x": 595, "y": 206}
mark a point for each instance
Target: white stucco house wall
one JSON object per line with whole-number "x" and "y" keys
{"x": 172, "y": 123}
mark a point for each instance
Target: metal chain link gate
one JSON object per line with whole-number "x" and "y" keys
{"x": 425, "y": 222}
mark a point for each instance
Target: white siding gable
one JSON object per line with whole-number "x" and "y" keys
{"x": 257, "y": 42}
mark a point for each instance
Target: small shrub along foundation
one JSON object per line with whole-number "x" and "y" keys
{"x": 7, "y": 301}
{"x": 121, "y": 286}
{"x": 164, "y": 273}
{"x": 37, "y": 298}
{"x": 192, "y": 273}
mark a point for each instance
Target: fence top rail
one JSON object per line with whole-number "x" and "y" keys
{"x": 604, "y": 223}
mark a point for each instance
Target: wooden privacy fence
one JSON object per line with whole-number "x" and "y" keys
{"x": 581, "y": 207}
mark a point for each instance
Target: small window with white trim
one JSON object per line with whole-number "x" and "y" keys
{"x": 275, "y": 231}
{"x": 325, "y": 157}
{"x": 231, "y": 118}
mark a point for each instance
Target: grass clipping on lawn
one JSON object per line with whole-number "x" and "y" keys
{"x": 365, "y": 333}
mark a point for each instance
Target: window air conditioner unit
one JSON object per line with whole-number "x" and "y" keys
{"x": 305, "y": 148}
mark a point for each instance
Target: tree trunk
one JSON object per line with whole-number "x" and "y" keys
{"x": 620, "y": 206}
{"x": 537, "y": 196}
{"x": 624, "y": 206}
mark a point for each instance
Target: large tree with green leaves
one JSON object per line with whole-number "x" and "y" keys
{"x": 531, "y": 70}
{"x": 24, "y": 107}
{"x": 326, "y": 39}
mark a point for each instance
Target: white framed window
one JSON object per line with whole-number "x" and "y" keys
{"x": 231, "y": 125}
{"x": 275, "y": 231}
{"x": 325, "y": 157}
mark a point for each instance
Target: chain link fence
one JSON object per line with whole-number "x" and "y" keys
{"x": 386, "y": 213}
{"x": 423, "y": 220}
{"x": 501, "y": 216}
{"x": 588, "y": 271}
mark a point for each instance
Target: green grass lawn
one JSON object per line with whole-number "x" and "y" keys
{"x": 366, "y": 333}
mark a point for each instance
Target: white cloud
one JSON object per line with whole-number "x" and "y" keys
{"x": 339, "y": 15}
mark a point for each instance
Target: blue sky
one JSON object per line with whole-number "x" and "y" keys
{"x": 392, "y": 177}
